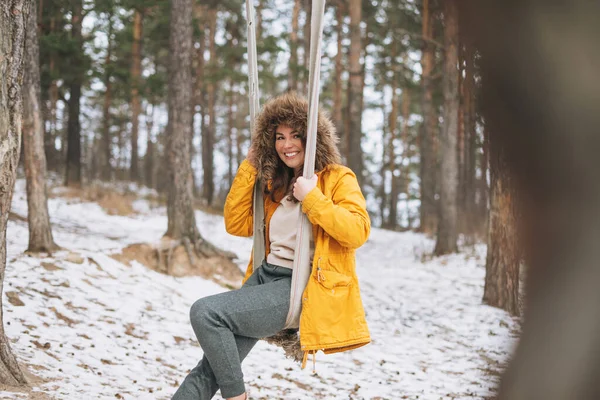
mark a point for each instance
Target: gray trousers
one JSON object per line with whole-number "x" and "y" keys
{"x": 229, "y": 324}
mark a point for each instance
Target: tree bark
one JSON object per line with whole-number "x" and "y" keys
{"x": 355, "y": 155}
{"x": 73, "y": 173}
{"x": 52, "y": 155}
{"x": 471, "y": 140}
{"x": 136, "y": 72}
{"x": 392, "y": 221}
{"x": 405, "y": 163}
{"x": 149, "y": 177}
{"x": 293, "y": 65}
{"x": 307, "y": 5}
{"x": 447, "y": 227}
{"x": 383, "y": 201}
{"x": 230, "y": 130}
{"x": 339, "y": 70}
{"x": 200, "y": 12}
{"x": 208, "y": 136}
{"x": 40, "y": 232}
{"x": 106, "y": 140}
{"x": 428, "y": 208}
{"x": 180, "y": 212}
{"x": 502, "y": 263}
{"x": 13, "y": 16}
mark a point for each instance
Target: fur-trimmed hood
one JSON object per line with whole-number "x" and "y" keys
{"x": 291, "y": 109}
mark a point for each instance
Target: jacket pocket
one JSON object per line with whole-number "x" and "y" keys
{"x": 331, "y": 279}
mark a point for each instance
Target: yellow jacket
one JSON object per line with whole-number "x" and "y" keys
{"x": 333, "y": 317}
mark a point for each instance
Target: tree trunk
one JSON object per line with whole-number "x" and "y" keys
{"x": 180, "y": 212}
{"x": 73, "y": 173}
{"x": 52, "y": 155}
{"x": 461, "y": 145}
{"x": 208, "y": 136}
{"x": 355, "y": 155}
{"x": 40, "y": 233}
{"x": 307, "y": 5}
{"x": 136, "y": 70}
{"x": 484, "y": 190}
{"x": 447, "y": 226}
{"x": 293, "y": 65}
{"x": 150, "y": 150}
{"x": 230, "y": 129}
{"x": 548, "y": 123}
{"x": 428, "y": 209}
{"x": 405, "y": 163}
{"x": 392, "y": 221}
{"x": 241, "y": 121}
{"x": 105, "y": 148}
{"x": 502, "y": 263}
{"x": 12, "y": 42}
{"x": 383, "y": 201}
{"x": 471, "y": 141}
{"x": 200, "y": 12}
{"x": 339, "y": 70}
{"x": 259, "y": 12}
{"x": 182, "y": 221}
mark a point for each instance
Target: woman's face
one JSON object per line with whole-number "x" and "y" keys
{"x": 289, "y": 147}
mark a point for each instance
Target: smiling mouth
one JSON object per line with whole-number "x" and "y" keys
{"x": 291, "y": 155}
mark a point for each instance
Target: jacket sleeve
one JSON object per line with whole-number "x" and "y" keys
{"x": 238, "y": 205}
{"x": 344, "y": 217}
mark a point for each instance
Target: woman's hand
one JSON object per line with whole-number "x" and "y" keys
{"x": 303, "y": 186}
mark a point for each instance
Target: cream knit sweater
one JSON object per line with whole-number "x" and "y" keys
{"x": 282, "y": 234}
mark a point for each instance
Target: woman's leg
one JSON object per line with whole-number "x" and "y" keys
{"x": 228, "y": 325}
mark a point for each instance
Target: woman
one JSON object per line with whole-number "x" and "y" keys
{"x": 229, "y": 324}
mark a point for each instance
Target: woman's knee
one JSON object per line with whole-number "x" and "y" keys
{"x": 200, "y": 313}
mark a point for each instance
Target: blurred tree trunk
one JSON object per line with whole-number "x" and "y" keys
{"x": 447, "y": 227}
{"x": 461, "y": 195}
{"x": 200, "y": 12}
{"x": 484, "y": 190}
{"x": 241, "y": 121}
{"x": 548, "y": 123}
{"x": 40, "y": 232}
{"x": 230, "y": 129}
{"x": 106, "y": 140}
{"x": 208, "y": 136}
{"x": 52, "y": 155}
{"x": 382, "y": 194}
{"x": 392, "y": 221}
{"x": 12, "y": 45}
{"x": 339, "y": 71}
{"x": 293, "y": 65}
{"x": 428, "y": 208}
{"x": 136, "y": 72}
{"x": 502, "y": 263}
{"x": 259, "y": 12}
{"x": 149, "y": 163}
{"x": 355, "y": 155}
{"x": 307, "y": 5}
{"x": 73, "y": 173}
{"x": 405, "y": 163}
{"x": 471, "y": 140}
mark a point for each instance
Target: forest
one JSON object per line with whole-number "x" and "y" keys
{"x": 122, "y": 126}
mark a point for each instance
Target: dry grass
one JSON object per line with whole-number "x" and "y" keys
{"x": 112, "y": 201}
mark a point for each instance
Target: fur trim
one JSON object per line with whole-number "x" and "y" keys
{"x": 291, "y": 109}
{"x": 289, "y": 341}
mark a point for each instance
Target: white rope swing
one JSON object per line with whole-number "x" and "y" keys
{"x": 302, "y": 263}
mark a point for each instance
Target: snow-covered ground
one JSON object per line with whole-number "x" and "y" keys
{"x": 93, "y": 328}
